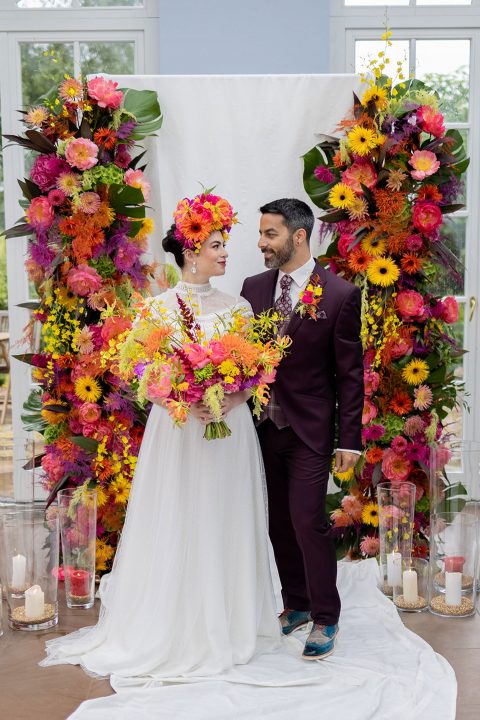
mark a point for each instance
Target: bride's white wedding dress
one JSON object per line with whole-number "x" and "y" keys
{"x": 190, "y": 594}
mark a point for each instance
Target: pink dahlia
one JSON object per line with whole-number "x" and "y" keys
{"x": 430, "y": 121}
{"x": 427, "y": 216}
{"x": 410, "y": 305}
{"x": 46, "y": 170}
{"x": 370, "y": 545}
{"x": 136, "y": 178}
{"x": 88, "y": 202}
{"x": 105, "y": 92}
{"x": 40, "y": 214}
{"x": 424, "y": 164}
{"x": 413, "y": 426}
{"x": 414, "y": 243}
{"x": 82, "y": 153}
{"x": 395, "y": 467}
{"x": 83, "y": 280}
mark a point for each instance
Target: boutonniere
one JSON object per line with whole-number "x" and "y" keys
{"x": 310, "y": 298}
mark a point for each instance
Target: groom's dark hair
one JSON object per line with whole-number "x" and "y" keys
{"x": 296, "y": 214}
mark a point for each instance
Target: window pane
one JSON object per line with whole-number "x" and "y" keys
{"x": 107, "y": 57}
{"x": 452, "y": 233}
{"x": 444, "y": 2}
{"x": 59, "y": 4}
{"x": 365, "y": 50}
{"x": 444, "y": 64}
{"x": 376, "y": 3}
{"x": 43, "y": 68}
{"x": 111, "y": 3}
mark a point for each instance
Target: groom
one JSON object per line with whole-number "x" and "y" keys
{"x": 323, "y": 369}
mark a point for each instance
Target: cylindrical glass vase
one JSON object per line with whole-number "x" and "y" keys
{"x": 411, "y": 595}
{"x": 30, "y": 560}
{"x": 453, "y": 564}
{"x": 78, "y": 525}
{"x": 396, "y": 506}
{"x": 455, "y": 477}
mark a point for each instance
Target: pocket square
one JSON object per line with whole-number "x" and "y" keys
{"x": 322, "y": 315}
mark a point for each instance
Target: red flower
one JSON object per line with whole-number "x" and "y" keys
{"x": 427, "y": 217}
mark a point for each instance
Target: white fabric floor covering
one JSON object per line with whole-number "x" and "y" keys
{"x": 379, "y": 671}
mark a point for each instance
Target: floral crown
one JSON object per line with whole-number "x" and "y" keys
{"x": 198, "y": 218}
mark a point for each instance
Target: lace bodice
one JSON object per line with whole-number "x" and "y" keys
{"x": 208, "y": 304}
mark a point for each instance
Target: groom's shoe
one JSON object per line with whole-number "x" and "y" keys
{"x": 291, "y": 620}
{"x": 321, "y": 642}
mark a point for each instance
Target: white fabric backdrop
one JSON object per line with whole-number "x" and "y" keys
{"x": 244, "y": 134}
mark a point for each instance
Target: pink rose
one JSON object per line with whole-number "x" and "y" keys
{"x": 89, "y": 412}
{"x": 83, "y": 280}
{"x": 136, "y": 178}
{"x": 197, "y": 354}
{"x": 395, "y": 467}
{"x": 369, "y": 412}
{"x": 105, "y": 92}
{"x": 450, "y": 310}
{"x": 345, "y": 242}
{"x": 40, "y": 214}
{"x": 427, "y": 216}
{"x": 430, "y": 121}
{"x": 410, "y": 305}
{"x": 371, "y": 382}
{"x": 307, "y": 297}
{"x": 82, "y": 153}
{"x": 403, "y": 346}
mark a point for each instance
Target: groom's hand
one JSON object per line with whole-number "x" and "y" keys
{"x": 344, "y": 460}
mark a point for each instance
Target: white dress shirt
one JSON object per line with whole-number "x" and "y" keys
{"x": 300, "y": 278}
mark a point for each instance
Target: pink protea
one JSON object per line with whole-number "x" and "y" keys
{"x": 82, "y": 153}
{"x": 395, "y": 467}
{"x": 83, "y": 280}
{"x": 136, "y": 178}
{"x": 431, "y": 121}
{"x": 370, "y": 546}
{"x": 105, "y": 92}
{"x": 353, "y": 507}
{"x": 424, "y": 164}
{"x": 40, "y": 214}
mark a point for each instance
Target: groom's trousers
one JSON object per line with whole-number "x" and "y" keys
{"x": 297, "y": 479}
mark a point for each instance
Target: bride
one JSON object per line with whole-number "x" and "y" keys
{"x": 190, "y": 594}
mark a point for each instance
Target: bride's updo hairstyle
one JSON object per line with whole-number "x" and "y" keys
{"x": 195, "y": 220}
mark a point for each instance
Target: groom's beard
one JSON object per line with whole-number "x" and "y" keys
{"x": 279, "y": 257}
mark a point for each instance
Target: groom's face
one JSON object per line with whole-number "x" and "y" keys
{"x": 276, "y": 241}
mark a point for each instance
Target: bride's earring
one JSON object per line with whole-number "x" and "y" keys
{"x": 194, "y": 268}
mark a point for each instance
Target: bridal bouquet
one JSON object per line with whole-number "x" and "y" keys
{"x": 168, "y": 358}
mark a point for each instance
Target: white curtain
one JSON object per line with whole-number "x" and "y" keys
{"x": 244, "y": 134}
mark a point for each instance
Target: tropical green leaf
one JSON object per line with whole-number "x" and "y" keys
{"x": 144, "y": 106}
{"x": 19, "y": 230}
{"x": 86, "y": 443}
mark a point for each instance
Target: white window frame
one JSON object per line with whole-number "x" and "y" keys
{"x": 140, "y": 25}
{"x": 348, "y": 24}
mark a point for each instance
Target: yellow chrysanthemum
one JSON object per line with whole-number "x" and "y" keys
{"x": 341, "y": 196}
{"x": 383, "y": 271}
{"x": 376, "y": 94}
{"x": 415, "y": 372}
{"x": 370, "y": 514}
{"x": 88, "y": 389}
{"x": 373, "y": 245}
{"x": 362, "y": 140}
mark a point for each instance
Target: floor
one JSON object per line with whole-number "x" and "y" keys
{"x": 29, "y": 691}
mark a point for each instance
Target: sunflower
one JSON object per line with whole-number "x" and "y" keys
{"x": 370, "y": 514}
{"x": 341, "y": 196}
{"x": 377, "y": 95}
{"x": 362, "y": 140}
{"x": 415, "y": 372}
{"x": 383, "y": 271}
{"x": 344, "y": 477}
{"x": 359, "y": 260}
{"x": 88, "y": 389}
{"x": 374, "y": 245}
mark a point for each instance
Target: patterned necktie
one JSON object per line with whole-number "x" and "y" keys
{"x": 284, "y": 303}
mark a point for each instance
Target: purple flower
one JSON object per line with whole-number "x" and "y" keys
{"x": 126, "y": 129}
{"x": 122, "y": 157}
{"x": 417, "y": 453}
{"x": 324, "y": 174}
{"x": 42, "y": 254}
{"x": 46, "y": 170}
{"x": 451, "y": 190}
{"x": 126, "y": 257}
{"x": 373, "y": 432}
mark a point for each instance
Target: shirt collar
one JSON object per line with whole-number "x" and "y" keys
{"x": 301, "y": 274}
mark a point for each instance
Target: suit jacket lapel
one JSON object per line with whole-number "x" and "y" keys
{"x": 295, "y": 318}
{"x": 268, "y": 290}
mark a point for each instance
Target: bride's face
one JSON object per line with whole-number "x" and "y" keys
{"x": 212, "y": 258}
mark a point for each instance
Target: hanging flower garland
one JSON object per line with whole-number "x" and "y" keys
{"x": 85, "y": 217}
{"x": 385, "y": 187}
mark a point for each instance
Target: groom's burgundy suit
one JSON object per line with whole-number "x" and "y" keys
{"x": 323, "y": 369}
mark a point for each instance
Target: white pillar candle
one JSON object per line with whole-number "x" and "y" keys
{"x": 19, "y": 566}
{"x": 394, "y": 568}
{"x": 34, "y": 602}
{"x": 410, "y": 586}
{"x": 453, "y": 588}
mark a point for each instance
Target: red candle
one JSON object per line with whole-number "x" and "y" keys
{"x": 80, "y": 583}
{"x": 454, "y": 563}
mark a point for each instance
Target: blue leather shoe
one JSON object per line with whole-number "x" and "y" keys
{"x": 291, "y": 620}
{"x": 321, "y": 642}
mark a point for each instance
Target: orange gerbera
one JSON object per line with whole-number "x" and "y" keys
{"x": 411, "y": 264}
{"x": 106, "y": 137}
{"x": 429, "y": 192}
{"x": 401, "y": 403}
{"x": 359, "y": 260}
{"x": 195, "y": 227}
{"x": 374, "y": 455}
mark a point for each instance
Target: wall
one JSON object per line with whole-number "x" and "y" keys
{"x": 243, "y": 37}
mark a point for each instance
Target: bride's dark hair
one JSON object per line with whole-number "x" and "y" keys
{"x": 170, "y": 244}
